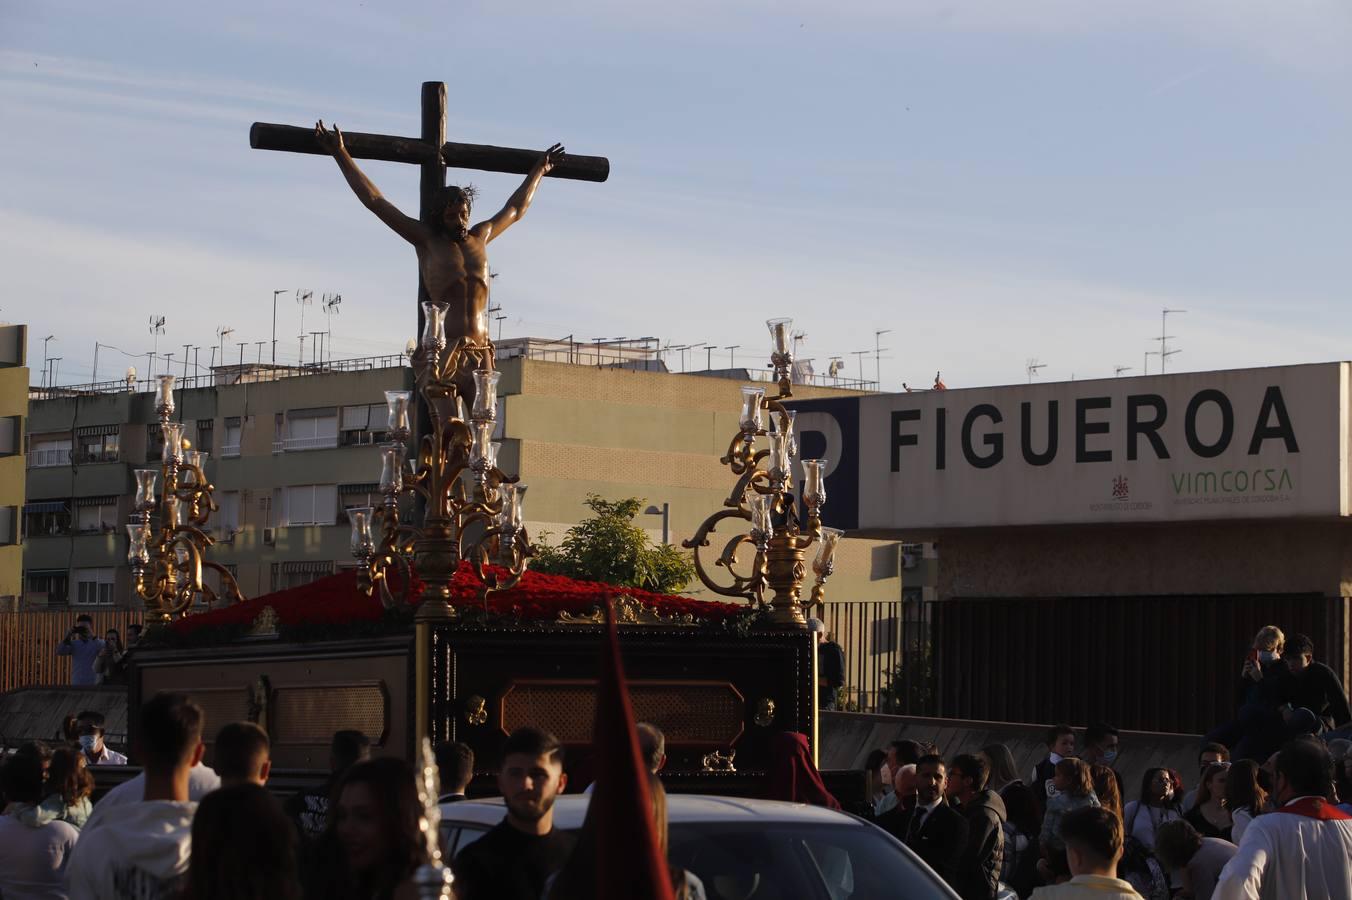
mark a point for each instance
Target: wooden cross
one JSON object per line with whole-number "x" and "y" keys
{"x": 432, "y": 152}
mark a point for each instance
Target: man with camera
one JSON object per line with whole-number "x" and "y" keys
{"x": 83, "y": 648}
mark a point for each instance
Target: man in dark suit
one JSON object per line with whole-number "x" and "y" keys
{"x": 934, "y": 830}
{"x": 455, "y": 764}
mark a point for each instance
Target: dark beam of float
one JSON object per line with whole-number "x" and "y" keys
{"x": 268, "y": 136}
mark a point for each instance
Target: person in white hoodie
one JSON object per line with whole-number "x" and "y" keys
{"x": 34, "y": 849}
{"x": 140, "y": 850}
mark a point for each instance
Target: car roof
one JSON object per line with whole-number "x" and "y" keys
{"x": 571, "y": 809}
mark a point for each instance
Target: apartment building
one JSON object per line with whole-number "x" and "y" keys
{"x": 291, "y": 449}
{"x": 13, "y": 410}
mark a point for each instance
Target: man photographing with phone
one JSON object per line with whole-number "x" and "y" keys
{"x": 83, "y": 648}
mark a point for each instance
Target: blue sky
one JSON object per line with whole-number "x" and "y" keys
{"x": 992, "y": 182}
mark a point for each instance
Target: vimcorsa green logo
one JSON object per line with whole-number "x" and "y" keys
{"x": 1232, "y": 486}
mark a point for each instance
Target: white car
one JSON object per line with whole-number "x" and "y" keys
{"x": 751, "y": 849}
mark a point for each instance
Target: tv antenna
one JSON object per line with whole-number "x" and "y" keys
{"x": 836, "y": 366}
{"x": 1032, "y": 367}
{"x": 1118, "y": 370}
{"x": 861, "y": 354}
{"x": 798, "y": 338}
{"x": 222, "y": 333}
{"x": 496, "y": 308}
{"x": 303, "y": 299}
{"x": 331, "y": 304}
{"x": 878, "y": 349}
{"x": 732, "y": 355}
{"x": 45, "y": 341}
{"x": 156, "y": 329}
{"x": 1164, "y": 337}
{"x": 1145, "y": 362}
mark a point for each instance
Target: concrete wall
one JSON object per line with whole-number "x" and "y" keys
{"x": 13, "y": 403}
{"x": 1195, "y": 558}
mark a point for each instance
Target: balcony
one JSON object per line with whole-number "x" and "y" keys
{"x": 305, "y": 443}
{"x": 232, "y": 450}
{"x": 45, "y": 459}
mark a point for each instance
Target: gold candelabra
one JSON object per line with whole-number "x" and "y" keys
{"x": 168, "y": 545}
{"x": 764, "y": 495}
{"x": 472, "y": 510}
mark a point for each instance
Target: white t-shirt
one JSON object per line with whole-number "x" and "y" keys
{"x": 1285, "y": 856}
{"x": 1142, "y": 824}
{"x": 201, "y": 781}
{"x": 33, "y": 859}
{"x": 139, "y": 852}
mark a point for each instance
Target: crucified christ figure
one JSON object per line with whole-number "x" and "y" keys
{"x": 452, "y": 255}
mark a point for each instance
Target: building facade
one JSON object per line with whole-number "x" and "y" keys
{"x": 290, "y": 450}
{"x": 13, "y": 411}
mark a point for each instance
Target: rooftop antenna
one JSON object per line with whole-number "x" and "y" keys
{"x": 861, "y": 354}
{"x": 1164, "y": 337}
{"x": 1118, "y": 370}
{"x": 1032, "y": 367}
{"x": 836, "y": 366}
{"x": 331, "y": 304}
{"x": 222, "y": 333}
{"x": 274, "y": 324}
{"x": 156, "y": 329}
{"x": 878, "y": 355}
{"x": 1145, "y": 363}
{"x": 798, "y": 338}
{"x": 303, "y": 299}
{"x": 732, "y": 355}
{"x": 45, "y": 341}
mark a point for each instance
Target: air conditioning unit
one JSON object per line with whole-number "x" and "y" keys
{"x": 269, "y": 536}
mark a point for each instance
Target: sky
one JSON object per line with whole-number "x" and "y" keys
{"x": 991, "y": 183}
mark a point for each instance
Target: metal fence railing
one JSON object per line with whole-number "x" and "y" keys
{"x": 28, "y": 643}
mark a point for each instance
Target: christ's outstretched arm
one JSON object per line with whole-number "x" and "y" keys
{"x": 407, "y": 228}
{"x": 517, "y": 204}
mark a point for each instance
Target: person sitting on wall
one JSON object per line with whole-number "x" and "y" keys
{"x": 1315, "y": 699}
{"x": 1256, "y": 731}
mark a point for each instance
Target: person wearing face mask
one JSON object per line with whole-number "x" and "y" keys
{"x": 1304, "y": 847}
{"x": 1102, "y": 744}
{"x": 96, "y": 753}
{"x": 1262, "y": 689}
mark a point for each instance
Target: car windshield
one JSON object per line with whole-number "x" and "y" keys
{"x": 792, "y": 861}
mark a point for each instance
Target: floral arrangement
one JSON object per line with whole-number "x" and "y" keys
{"x": 334, "y": 607}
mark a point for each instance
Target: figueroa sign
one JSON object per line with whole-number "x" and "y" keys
{"x": 1247, "y": 443}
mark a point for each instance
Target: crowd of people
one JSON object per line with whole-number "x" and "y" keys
{"x": 95, "y": 660}
{"x": 1283, "y": 829}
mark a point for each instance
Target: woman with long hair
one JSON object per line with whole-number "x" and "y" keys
{"x": 1106, "y": 789}
{"x": 68, "y": 787}
{"x": 243, "y": 848}
{"x": 577, "y": 879}
{"x": 1022, "y": 822}
{"x": 373, "y": 841}
{"x": 1208, "y": 816}
{"x": 1158, "y": 802}
{"x": 1244, "y": 797}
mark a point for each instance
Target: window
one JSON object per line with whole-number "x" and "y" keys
{"x": 49, "y": 451}
{"x": 154, "y": 442}
{"x": 206, "y": 433}
{"x": 308, "y": 504}
{"x": 9, "y": 525}
{"x": 96, "y": 444}
{"x": 227, "y": 519}
{"x": 96, "y": 514}
{"x": 49, "y": 587}
{"x": 94, "y": 587}
{"x": 230, "y": 441}
{"x": 355, "y": 496}
{"x": 46, "y": 517}
{"x": 365, "y": 424}
{"x": 11, "y": 435}
{"x": 289, "y": 575}
{"x": 309, "y": 429}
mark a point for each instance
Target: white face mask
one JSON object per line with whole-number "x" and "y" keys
{"x": 1266, "y": 656}
{"x": 1055, "y": 758}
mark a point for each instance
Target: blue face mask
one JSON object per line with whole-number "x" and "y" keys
{"x": 87, "y": 742}
{"x": 1110, "y": 756}
{"x": 1266, "y": 656}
